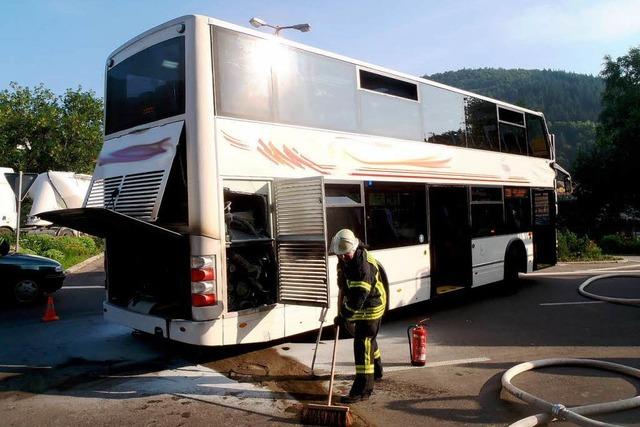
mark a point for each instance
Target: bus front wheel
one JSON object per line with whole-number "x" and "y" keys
{"x": 515, "y": 261}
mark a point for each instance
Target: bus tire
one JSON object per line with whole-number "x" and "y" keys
{"x": 515, "y": 261}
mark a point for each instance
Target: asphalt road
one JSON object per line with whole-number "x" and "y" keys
{"x": 83, "y": 371}
{"x": 82, "y": 294}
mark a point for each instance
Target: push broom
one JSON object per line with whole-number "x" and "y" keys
{"x": 327, "y": 415}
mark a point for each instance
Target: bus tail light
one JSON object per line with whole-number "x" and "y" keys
{"x": 203, "y": 281}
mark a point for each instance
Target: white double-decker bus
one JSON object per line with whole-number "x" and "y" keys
{"x": 231, "y": 157}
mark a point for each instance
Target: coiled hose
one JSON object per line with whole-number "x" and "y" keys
{"x": 630, "y": 301}
{"x": 576, "y": 414}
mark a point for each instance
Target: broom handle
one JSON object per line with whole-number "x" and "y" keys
{"x": 333, "y": 364}
{"x": 323, "y": 317}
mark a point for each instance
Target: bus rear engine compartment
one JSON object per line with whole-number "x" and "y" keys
{"x": 149, "y": 275}
{"x": 251, "y": 264}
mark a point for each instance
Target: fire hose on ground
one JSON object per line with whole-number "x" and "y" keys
{"x": 631, "y": 301}
{"x": 578, "y": 414}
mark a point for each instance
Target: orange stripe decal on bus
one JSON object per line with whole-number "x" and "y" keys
{"x": 235, "y": 141}
{"x": 425, "y": 162}
{"x": 426, "y": 175}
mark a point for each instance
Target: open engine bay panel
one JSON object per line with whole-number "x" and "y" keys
{"x": 250, "y": 248}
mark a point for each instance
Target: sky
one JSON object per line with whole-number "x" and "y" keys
{"x": 64, "y": 43}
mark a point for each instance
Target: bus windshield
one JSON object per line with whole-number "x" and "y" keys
{"x": 146, "y": 87}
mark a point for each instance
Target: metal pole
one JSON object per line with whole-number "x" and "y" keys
{"x": 19, "y": 195}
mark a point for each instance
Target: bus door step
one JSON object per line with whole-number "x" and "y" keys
{"x": 447, "y": 288}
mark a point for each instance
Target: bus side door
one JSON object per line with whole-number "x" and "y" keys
{"x": 544, "y": 227}
{"x": 450, "y": 239}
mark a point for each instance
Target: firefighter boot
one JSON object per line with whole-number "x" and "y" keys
{"x": 377, "y": 369}
{"x": 360, "y": 390}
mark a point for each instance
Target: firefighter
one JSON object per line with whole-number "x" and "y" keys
{"x": 361, "y": 303}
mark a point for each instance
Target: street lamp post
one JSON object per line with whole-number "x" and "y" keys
{"x": 257, "y": 22}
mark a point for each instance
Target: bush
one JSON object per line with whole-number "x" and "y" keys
{"x": 620, "y": 244}
{"x": 54, "y": 254}
{"x": 8, "y": 235}
{"x": 68, "y": 250}
{"x": 592, "y": 250}
{"x": 39, "y": 243}
{"x": 88, "y": 244}
{"x": 572, "y": 247}
{"x": 612, "y": 243}
{"x": 27, "y": 251}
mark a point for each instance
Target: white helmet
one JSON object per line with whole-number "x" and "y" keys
{"x": 344, "y": 242}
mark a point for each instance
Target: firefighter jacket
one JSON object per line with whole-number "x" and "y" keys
{"x": 362, "y": 286}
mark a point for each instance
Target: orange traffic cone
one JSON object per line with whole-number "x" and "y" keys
{"x": 50, "y": 312}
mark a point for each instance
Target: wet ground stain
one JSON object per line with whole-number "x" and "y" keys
{"x": 282, "y": 374}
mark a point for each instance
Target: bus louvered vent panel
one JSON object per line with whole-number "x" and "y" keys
{"x": 300, "y": 240}
{"x": 135, "y": 195}
{"x": 303, "y": 273}
{"x": 103, "y": 193}
{"x": 300, "y": 209}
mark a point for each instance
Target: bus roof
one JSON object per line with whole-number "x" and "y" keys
{"x": 245, "y": 30}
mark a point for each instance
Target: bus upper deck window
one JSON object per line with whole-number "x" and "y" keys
{"x": 147, "y": 86}
{"x": 536, "y": 137}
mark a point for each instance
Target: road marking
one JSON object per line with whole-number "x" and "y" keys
{"x": 116, "y": 392}
{"x": 82, "y": 287}
{"x": 615, "y": 268}
{"x": 435, "y": 364}
{"x": 576, "y": 273}
{"x": 572, "y": 303}
{"x": 26, "y": 366}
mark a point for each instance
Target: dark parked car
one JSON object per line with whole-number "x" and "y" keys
{"x": 28, "y": 277}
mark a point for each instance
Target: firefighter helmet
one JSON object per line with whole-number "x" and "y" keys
{"x": 344, "y": 242}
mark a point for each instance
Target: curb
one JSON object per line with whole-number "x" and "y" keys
{"x": 82, "y": 264}
{"x": 618, "y": 259}
{"x": 611, "y": 261}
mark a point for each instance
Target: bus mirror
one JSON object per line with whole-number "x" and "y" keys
{"x": 564, "y": 183}
{"x": 564, "y": 186}
{"x": 569, "y": 186}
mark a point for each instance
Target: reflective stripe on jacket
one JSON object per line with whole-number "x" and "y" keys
{"x": 361, "y": 283}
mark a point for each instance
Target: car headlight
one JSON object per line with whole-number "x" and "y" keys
{"x": 59, "y": 269}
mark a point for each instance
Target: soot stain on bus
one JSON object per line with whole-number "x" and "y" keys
{"x": 152, "y": 285}
{"x": 152, "y": 275}
{"x": 251, "y": 263}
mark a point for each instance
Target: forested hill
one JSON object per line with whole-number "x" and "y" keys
{"x": 570, "y": 101}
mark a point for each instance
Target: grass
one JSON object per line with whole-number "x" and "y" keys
{"x": 67, "y": 250}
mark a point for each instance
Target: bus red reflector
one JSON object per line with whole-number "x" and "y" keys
{"x": 202, "y": 274}
{"x": 203, "y": 300}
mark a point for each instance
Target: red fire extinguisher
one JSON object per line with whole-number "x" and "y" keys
{"x": 417, "y": 335}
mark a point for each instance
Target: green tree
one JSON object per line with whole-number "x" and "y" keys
{"x": 40, "y": 131}
{"x": 570, "y": 101}
{"x": 607, "y": 173}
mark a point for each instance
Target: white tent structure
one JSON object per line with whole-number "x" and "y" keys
{"x": 55, "y": 190}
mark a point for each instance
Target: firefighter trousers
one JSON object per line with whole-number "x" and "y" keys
{"x": 366, "y": 353}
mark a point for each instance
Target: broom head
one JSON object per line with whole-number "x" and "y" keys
{"x": 326, "y": 415}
